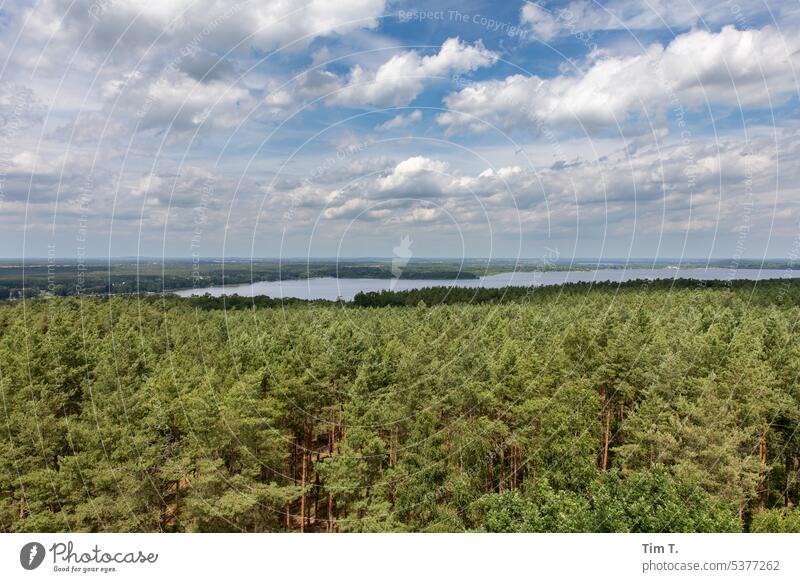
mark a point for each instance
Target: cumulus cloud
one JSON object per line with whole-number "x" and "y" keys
{"x": 177, "y": 101}
{"x": 169, "y": 60}
{"x": 132, "y": 27}
{"x": 316, "y": 83}
{"x": 539, "y": 21}
{"x": 399, "y": 80}
{"x": 417, "y": 176}
{"x": 549, "y": 20}
{"x": 36, "y": 179}
{"x": 401, "y": 120}
{"x": 673, "y": 188}
{"x": 395, "y": 82}
{"x": 82, "y": 74}
{"x": 732, "y": 67}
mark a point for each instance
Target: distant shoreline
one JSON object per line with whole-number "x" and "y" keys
{"x": 124, "y": 277}
{"x": 335, "y": 289}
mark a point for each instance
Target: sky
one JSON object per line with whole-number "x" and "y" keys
{"x": 276, "y": 128}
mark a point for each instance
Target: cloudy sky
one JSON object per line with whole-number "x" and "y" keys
{"x": 272, "y": 128}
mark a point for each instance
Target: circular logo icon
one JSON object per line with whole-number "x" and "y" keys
{"x": 31, "y": 555}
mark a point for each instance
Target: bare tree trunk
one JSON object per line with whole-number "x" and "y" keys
{"x": 797, "y": 482}
{"x": 293, "y": 474}
{"x": 317, "y": 486}
{"x": 303, "y": 470}
{"x": 303, "y": 496}
{"x": 788, "y": 471}
{"x": 393, "y": 448}
{"x": 605, "y": 415}
{"x": 330, "y": 513}
{"x": 512, "y": 477}
{"x": 502, "y": 467}
{"x": 606, "y": 439}
{"x": 331, "y": 450}
{"x": 762, "y": 455}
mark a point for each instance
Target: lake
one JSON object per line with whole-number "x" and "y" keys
{"x": 331, "y": 288}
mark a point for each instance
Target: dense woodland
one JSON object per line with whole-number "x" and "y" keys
{"x": 645, "y": 407}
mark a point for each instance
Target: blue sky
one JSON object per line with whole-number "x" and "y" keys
{"x": 276, "y": 128}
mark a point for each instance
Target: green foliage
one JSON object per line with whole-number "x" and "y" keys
{"x": 655, "y": 501}
{"x": 643, "y": 501}
{"x": 779, "y": 520}
{"x": 633, "y": 408}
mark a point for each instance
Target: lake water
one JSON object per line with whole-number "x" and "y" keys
{"x": 331, "y": 288}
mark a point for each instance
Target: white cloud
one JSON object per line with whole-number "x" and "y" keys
{"x": 184, "y": 25}
{"x": 399, "y": 80}
{"x": 177, "y": 101}
{"x": 401, "y": 120}
{"x": 161, "y": 55}
{"x": 541, "y": 22}
{"x": 585, "y": 16}
{"x": 41, "y": 177}
{"x": 347, "y": 209}
{"x": 83, "y": 73}
{"x": 20, "y": 108}
{"x": 671, "y": 188}
{"x": 316, "y": 83}
{"x": 415, "y": 176}
{"x": 732, "y": 67}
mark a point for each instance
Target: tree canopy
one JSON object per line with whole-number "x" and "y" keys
{"x": 641, "y": 408}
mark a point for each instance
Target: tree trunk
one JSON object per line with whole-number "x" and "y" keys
{"x": 393, "y": 447}
{"x": 331, "y": 450}
{"x": 293, "y": 474}
{"x": 606, "y": 439}
{"x": 502, "y": 467}
{"x": 762, "y": 455}
{"x": 517, "y": 460}
{"x": 513, "y": 477}
{"x": 303, "y": 495}
{"x": 317, "y": 487}
{"x": 797, "y": 483}
{"x": 330, "y": 513}
{"x": 303, "y": 475}
{"x": 605, "y": 420}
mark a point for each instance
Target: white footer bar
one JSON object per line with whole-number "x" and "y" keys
{"x": 419, "y": 557}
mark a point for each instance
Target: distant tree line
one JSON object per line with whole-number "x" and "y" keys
{"x": 126, "y": 278}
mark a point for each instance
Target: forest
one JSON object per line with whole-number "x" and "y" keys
{"x": 644, "y": 407}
